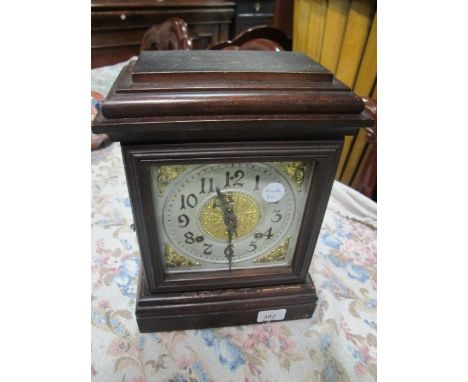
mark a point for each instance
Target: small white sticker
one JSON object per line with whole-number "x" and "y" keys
{"x": 271, "y": 315}
{"x": 273, "y": 192}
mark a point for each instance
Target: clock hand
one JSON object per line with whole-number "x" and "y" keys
{"x": 230, "y": 220}
{"x": 229, "y": 251}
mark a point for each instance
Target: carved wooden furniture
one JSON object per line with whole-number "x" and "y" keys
{"x": 172, "y": 34}
{"x": 257, "y": 38}
{"x": 251, "y": 13}
{"x": 118, "y": 26}
{"x": 230, "y": 159}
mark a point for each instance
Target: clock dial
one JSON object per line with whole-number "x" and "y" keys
{"x": 229, "y": 215}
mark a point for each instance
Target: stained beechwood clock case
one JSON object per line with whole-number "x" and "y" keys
{"x": 230, "y": 159}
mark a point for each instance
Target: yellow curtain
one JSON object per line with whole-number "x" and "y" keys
{"x": 342, "y": 36}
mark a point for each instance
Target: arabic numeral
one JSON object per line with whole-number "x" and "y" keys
{"x": 257, "y": 181}
{"x": 207, "y": 250}
{"x": 252, "y": 245}
{"x": 277, "y": 216}
{"x": 183, "y": 220}
{"x": 191, "y": 201}
{"x": 229, "y": 250}
{"x": 238, "y": 175}
{"x": 203, "y": 181}
{"x": 268, "y": 233}
{"x": 189, "y": 239}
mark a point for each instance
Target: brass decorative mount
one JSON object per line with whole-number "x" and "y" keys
{"x": 166, "y": 174}
{"x": 277, "y": 254}
{"x": 174, "y": 259}
{"x": 295, "y": 170}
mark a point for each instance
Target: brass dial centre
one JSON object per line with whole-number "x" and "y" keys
{"x": 244, "y": 207}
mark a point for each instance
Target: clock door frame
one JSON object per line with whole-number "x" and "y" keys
{"x": 138, "y": 160}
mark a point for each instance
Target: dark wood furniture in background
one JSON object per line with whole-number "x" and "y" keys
{"x": 283, "y": 17}
{"x": 172, "y": 34}
{"x": 257, "y": 38}
{"x": 118, "y": 26}
{"x": 251, "y": 13}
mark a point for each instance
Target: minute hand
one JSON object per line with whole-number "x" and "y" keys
{"x": 230, "y": 220}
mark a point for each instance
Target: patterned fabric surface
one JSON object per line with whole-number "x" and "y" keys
{"x": 337, "y": 344}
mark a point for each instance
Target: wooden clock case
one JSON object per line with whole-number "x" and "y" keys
{"x": 182, "y": 107}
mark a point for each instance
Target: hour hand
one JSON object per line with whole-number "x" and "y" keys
{"x": 221, "y": 199}
{"x": 230, "y": 218}
{"x": 220, "y": 194}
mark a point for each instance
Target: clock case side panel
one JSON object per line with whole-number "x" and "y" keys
{"x": 141, "y": 215}
{"x": 315, "y": 209}
{"x": 138, "y": 160}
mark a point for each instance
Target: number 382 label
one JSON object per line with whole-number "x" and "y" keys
{"x": 271, "y": 315}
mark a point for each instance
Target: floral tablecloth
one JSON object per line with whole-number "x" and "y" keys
{"x": 337, "y": 344}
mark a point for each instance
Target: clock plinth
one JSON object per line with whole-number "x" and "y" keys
{"x": 230, "y": 159}
{"x": 221, "y": 307}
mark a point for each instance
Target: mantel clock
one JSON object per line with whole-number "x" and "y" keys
{"x": 230, "y": 159}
